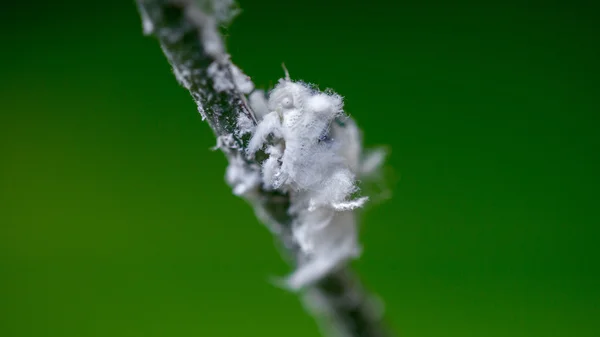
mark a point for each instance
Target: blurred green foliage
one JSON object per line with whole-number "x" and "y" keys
{"x": 115, "y": 220}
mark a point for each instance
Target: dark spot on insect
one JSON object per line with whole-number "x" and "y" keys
{"x": 324, "y": 139}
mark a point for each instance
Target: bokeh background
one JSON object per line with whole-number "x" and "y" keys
{"x": 115, "y": 219}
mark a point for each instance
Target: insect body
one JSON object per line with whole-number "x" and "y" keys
{"x": 302, "y": 156}
{"x": 306, "y": 158}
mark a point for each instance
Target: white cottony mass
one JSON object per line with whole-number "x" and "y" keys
{"x": 313, "y": 153}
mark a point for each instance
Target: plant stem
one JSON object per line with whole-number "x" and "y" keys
{"x": 188, "y": 35}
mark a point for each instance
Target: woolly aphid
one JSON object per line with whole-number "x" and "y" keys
{"x": 314, "y": 157}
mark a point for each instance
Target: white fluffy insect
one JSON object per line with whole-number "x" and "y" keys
{"x": 315, "y": 159}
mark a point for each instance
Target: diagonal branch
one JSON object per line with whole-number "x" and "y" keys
{"x": 188, "y": 34}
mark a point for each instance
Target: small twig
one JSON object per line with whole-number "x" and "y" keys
{"x": 189, "y": 37}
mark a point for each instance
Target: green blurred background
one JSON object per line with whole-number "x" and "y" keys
{"x": 115, "y": 219}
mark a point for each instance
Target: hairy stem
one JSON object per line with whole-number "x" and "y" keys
{"x": 187, "y": 31}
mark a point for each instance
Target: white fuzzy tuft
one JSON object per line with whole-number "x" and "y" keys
{"x": 147, "y": 24}
{"x": 240, "y": 177}
{"x": 258, "y": 103}
{"x": 319, "y": 170}
{"x": 372, "y": 161}
{"x": 229, "y": 77}
{"x": 244, "y": 125}
{"x": 242, "y": 81}
{"x": 220, "y": 76}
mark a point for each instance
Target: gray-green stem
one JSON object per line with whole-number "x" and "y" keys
{"x": 188, "y": 35}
